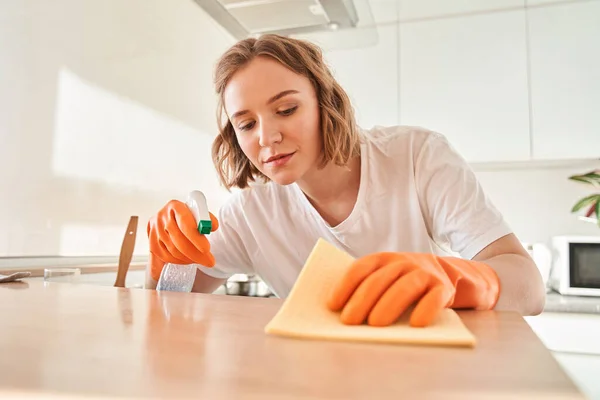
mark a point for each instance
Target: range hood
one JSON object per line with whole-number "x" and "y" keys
{"x": 246, "y": 18}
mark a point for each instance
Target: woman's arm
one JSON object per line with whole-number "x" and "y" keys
{"x": 206, "y": 284}
{"x": 521, "y": 285}
{"x": 461, "y": 216}
{"x": 149, "y": 282}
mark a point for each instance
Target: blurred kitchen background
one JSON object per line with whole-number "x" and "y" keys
{"x": 107, "y": 110}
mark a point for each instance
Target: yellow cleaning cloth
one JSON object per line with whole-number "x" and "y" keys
{"x": 304, "y": 313}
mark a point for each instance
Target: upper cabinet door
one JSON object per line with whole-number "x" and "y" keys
{"x": 565, "y": 80}
{"x": 533, "y": 3}
{"x": 421, "y": 9}
{"x": 466, "y": 77}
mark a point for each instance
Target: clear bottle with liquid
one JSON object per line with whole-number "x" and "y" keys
{"x": 177, "y": 278}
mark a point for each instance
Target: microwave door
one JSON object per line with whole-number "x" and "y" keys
{"x": 576, "y": 265}
{"x": 584, "y": 271}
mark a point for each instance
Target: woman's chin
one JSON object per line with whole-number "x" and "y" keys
{"x": 284, "y": 178}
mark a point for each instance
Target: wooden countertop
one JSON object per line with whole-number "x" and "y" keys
{"x": 64, "y": 340}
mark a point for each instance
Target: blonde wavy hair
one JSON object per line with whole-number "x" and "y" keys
{"x": 339, "y": 131}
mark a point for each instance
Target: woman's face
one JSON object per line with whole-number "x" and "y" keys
{"x": 275, "y": 115}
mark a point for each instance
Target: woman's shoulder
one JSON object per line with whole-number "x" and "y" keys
{"x": 258, "y": 197}
{"x": 399, "y": 139}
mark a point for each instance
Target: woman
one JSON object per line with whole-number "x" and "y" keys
{"x": 398, "y": 199}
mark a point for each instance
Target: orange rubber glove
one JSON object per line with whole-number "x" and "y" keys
{"x": 174, "y": 238}
{"x": 380, "y": 287}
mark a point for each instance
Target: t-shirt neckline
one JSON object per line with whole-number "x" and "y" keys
{"x": 358, "y": 206}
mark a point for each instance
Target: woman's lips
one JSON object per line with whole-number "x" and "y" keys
{"x": 280, "y": 160}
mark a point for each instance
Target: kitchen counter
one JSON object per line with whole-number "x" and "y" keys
{"x": 555, "y": 302}
{"x": 38, "y": 271}
{"x": 68, "y": 340}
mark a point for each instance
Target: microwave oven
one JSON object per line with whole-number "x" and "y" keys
{"x": 576, "y": 265}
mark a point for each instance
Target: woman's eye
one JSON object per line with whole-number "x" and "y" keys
{"x": 247, "y": 126}
{"x": 289, "y": 111}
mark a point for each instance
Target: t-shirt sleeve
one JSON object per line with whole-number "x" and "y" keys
{"x": 458, "y": 213}
{"x": 227, "y": 245}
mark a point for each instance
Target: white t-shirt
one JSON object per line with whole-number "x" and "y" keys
{"x": 416, "y": 194}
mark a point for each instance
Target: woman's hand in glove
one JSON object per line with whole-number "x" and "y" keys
{"x": 174, "y": 238}
{"x": 380, "y": 287}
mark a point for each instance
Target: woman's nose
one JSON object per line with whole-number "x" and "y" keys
{"x": 268, "y": 135}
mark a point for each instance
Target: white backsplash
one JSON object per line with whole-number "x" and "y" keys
{"x": 537, "y": 200}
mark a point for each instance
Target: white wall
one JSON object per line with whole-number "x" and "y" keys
{"x": 536, "y": 199}
{"x": 117, "y": 96}
{"x": 106, "y": 111}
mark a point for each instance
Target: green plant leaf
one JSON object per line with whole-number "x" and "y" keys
{"x": 586, "y": 179}
{"x": 592, "y": 178}
{"x": 586, "y": 201}
{"x": 598, "y": 213}
{"x": 594, "y": 172}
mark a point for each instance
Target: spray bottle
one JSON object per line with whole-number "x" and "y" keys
{"x": 180, "y": 278}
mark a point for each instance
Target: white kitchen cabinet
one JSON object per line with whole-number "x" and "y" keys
{"x": 466, "y": 77}
{"x": 568, "y": 332}
{"x": 573, "y": 340}
{"x": 417, "y": 9}
{"x": 565, "y": 80}
{"x": 533, "y": 3}
{"x": 583, "y": 370}
{"x": 370, "y": 74}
